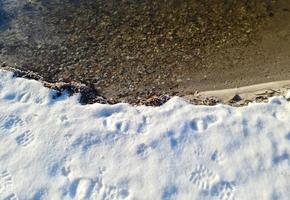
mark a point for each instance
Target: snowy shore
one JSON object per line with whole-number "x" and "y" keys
{"x": 54, "y": 148}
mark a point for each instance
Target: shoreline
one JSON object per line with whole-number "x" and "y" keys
{"x": 237, "y": 97}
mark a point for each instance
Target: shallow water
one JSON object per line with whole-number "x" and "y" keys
{"x": 127, "y": 49}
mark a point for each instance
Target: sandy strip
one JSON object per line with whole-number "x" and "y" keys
{"x": 243, "y": 95}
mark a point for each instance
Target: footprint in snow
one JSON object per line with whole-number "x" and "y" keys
{"x": 10, "y": 122}
{"x": 223, "y": 190}
{"x": 86, "y": 188}
{"x": 199, "y": 152}
{"x": 65, "y": 171}
{"x": 64, "y": 120}
{"x": 122, "y": 127}
{"x": 25, "y": 138}
{"x": 5, "y": 181}
{"x": 203, "y": 178}
{"x": 6, "y": 186}
{"x": 114, "y": 193}
{"x": 143, "y": 150}
{"x": 217, "y": 157}
{"x": 103, "y": 191}
{"x": 130, "y": 126}
{"x": 202, "y": 124}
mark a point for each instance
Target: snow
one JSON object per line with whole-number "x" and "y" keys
{"x": 288, "y": 95}
{"x": 54, "y": 148}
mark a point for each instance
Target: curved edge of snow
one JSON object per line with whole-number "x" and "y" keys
{"x": 55, "y": 148}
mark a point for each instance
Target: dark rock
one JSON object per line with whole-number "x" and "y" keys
{"x": 88, "y": 95}
{"x": 236, "y": 98}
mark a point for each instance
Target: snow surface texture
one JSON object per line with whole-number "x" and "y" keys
{"x": 54, "y": 148}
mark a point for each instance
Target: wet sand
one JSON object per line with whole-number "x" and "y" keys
{"x": 129, "y": 50}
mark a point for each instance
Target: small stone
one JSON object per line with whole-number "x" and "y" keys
{"x": 236, "y": 98}
{"x": 3, "y": 64}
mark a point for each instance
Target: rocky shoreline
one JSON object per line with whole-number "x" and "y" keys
{"x": 129, "y": 50}
{"x": 233, "y": 97}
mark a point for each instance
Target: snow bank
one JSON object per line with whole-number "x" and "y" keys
{"x": 54, "y": 148}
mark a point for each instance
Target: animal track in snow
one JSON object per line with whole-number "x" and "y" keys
{"x": 65, "y": 171}
{"x": 63, "y": 118}
{"x": 217, "y": 157}
{"x": 199, "y": 152}
{"x": 223, "y": 190}
{"x": 122, "y": 127}
{"x": 10, "y": 122}
{"x": 130, "y": 126}
{"x": 103, "y": 191}
{"x": 114, "y": 193}
{"x": 202, "y": 124}
{"x": 143, "y": 150}
{"x": 203, "y": 178}
{"x": 25, "y": 138}
{"x": 86, "y": 188}
{"x": 109, "y": 192}
{"x": 5, "y": 181}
